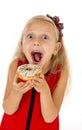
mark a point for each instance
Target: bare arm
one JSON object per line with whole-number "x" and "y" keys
{"x": 14, "y": 90}
{"x": 11, "y": 99}
{"x": 50, "y": 104}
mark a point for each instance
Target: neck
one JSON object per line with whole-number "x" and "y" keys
{"x": 49, "y": 66}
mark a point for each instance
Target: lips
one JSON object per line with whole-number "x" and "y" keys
{"x": 36, "y": 56}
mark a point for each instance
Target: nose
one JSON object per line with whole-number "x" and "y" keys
{"x": 36, "y": 43}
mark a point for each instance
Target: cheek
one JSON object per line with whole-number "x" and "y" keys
{"x": 25, "y": 46}
{"x": 50, "y": 50}
{"x": 25, "y": 50}
{"x": 48, "y": 54}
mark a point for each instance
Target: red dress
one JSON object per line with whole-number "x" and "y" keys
{"x": 17, "y": 121}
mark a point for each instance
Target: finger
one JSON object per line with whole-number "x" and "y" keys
{"x": 27, "y": 88}
{"x": 42, "y": 76}
{"x": 38, "y": 79}
{"x": 36, "y": 83}
{"x": 27, "y": 83}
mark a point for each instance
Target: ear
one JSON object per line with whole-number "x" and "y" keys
{"x": 57, "y": 47}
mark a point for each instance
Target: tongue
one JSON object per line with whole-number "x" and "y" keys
{"x": 37, "y": 57}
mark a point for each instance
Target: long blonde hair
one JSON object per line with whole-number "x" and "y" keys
{"x": 60, "y": 58}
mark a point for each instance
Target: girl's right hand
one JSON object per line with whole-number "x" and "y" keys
{"x": 22, "y": 87}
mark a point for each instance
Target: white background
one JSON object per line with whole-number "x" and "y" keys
{"x": 13, "y": 16}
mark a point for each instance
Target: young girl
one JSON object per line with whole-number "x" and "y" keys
{"x": 35, "y": 104}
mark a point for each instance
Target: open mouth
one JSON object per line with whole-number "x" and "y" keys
{"x": 36, "y": 56}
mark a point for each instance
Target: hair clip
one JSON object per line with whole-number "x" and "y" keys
{"x": 59, "y": 25}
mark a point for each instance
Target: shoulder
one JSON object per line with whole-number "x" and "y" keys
{"x": 15, "y": 63}
{"x": 64, "y": 75}
{"x": 61, "y": 71}
{"x": 12, "y": 67}
{"x": 62, "y": 83}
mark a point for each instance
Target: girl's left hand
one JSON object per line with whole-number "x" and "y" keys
{"x": 40, "y": 84}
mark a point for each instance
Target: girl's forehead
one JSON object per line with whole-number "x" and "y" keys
{"x": 40, "y": 24}
{"x": 39, "y": 20}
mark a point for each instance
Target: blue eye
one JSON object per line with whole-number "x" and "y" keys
{"x": 29, "y": 36}
{"x": 45, "y": 37}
